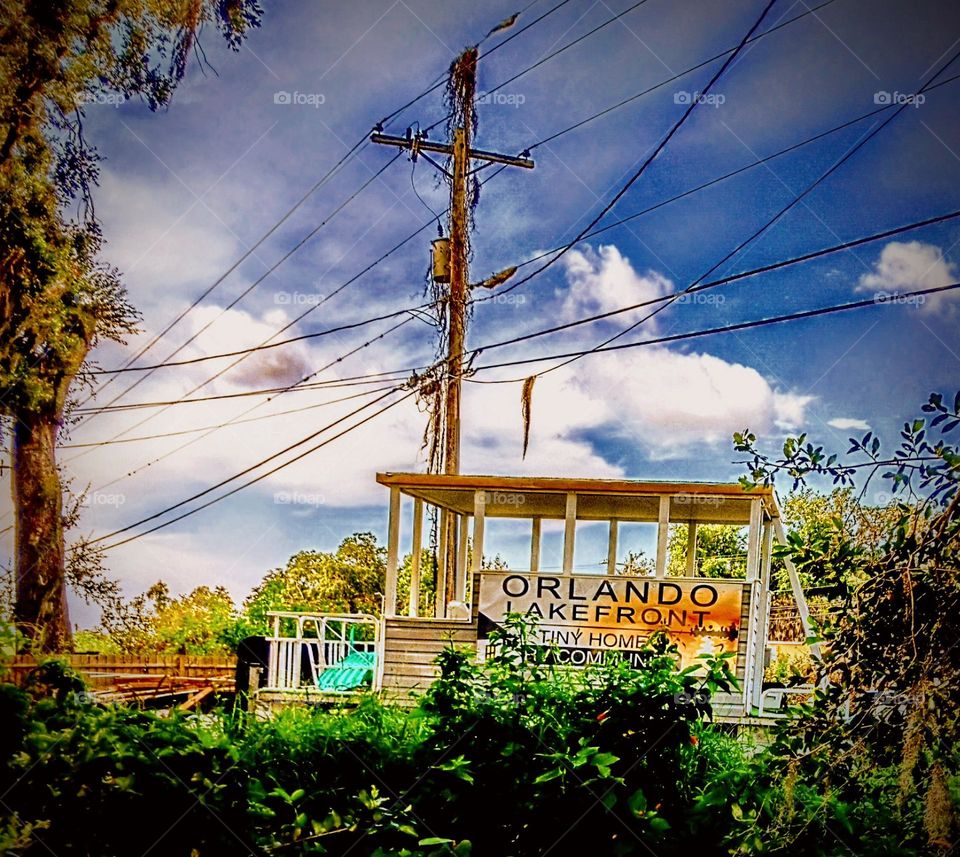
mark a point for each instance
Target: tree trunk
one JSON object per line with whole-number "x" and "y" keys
{"x": 41, "y": 604}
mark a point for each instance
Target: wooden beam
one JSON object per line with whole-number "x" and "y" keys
{"x": 460, "y": 590}
{"x": 393, "y": 553}
{"x": 763, "y": 614}
{"x": 479, "y": 516}
{"x": 612, "y": 546}
{"x": 753, "y": 539}
{"x": 535, "y": 544}
{"x": 569, "y": 532}
{"x": 413, "y": 608}
{"x": 797, "y": 589}
{"x": 440, "y": 595}
{"x": 691, "y": 549}
{"x": 663, "y": 535}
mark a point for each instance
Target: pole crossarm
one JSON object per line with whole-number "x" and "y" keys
{"x": 460, "y": 166}
{"x": 419, "y": 144}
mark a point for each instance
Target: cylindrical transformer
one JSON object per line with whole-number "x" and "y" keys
{"x": 441, "y": 260}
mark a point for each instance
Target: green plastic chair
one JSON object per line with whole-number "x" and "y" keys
{"x": 350, "y": 672}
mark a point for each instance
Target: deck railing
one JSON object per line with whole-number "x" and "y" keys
{"x": 305, "y": 646}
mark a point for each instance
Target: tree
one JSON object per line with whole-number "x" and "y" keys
{"x": 203, "y": 622}
{"x": 351, "y": 580}
{"x": 721, "y": 550}
{"x": 58, "y": 299}
{"x": 891, "y": 672}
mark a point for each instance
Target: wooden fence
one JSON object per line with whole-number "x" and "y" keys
{"x": 104, "y": 671}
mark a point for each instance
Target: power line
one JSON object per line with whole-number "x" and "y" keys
{"x": 251, "y": 468}
{"x": 702, "y": 286}
{"x": 650, "y": 158}
{"x": 895, "y": 299}
{"x": 381, "y": 376}
{"x": 247, "y": 411}
{"x": 261, "y": 278}
{"x": 264, "y": 347}
{"x": 619, "y": 222}
{"x": 871, "y": 302}
{"x": 833, "y": 168}
{"x": 672, "y": 79}
{"x": 440, "y": 81}
{"x": 250, "y": 250}
{"x": 263, "y": 476}
{"x": 180, "y": 433}
{"x": 544, "y": 59}
{"x": 323, "y": 180}
{"x": 350, "y": 381}
{"x": 287, "y": 389}
{"x": 589, "y": 234}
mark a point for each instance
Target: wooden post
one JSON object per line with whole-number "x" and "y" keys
{"x": 393, "y": 553}
{"x": 457, "y": 300}
{"x": 440, "y": 606}
{"x": 797, "y": 589}
{"x": 612, "y": 546}
{"x": 569, "y": 533}
{"x": 663, "y": 535}
{"x": 763, "y": 614}
{"x": 479, "y": 516}
{"x": 535, "y": 545}
{"x": 413, "y": 608}
{"x": 461, "y": 588}
{"x": 691, "y": 549}
{"x": 753, "y": 539}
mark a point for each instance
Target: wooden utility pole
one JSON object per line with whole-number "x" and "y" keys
{"x": 463, "y": 88}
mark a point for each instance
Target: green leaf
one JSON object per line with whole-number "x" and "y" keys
{"x": 549, "y": 775}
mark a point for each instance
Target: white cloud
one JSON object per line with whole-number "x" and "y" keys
{"x": 849, "y": 424}
{"x": 603, "y": 279}
{"x": 664, "y": 403}
{"x": 906, "y": 266}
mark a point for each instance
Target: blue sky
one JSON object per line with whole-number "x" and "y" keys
{"x": 185, "y": 192}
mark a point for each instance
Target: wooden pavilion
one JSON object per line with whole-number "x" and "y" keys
{"x": 584, "y": 612}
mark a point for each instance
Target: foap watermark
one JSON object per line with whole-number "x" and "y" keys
{"x": 298, "y": 498}
{"x": 113, "y": 99}
{"x": 99, "y": 498}
{"x": 714, "y": 99}
{"x": 508, "y": 299}
{"x": 701, "y": 299}
{"x": 503, "y": 99}
{"x": 299, "y": 99}
{"x": 912, "y": 99}
{"x": 696, "y": 500}
{"x": 899, "y": 299}
{"x": 502, "y": 498}
{"x": 298, "y": 298}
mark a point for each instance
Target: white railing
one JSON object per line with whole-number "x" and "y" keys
{"x": 773, "y": 698}
{"x": 304, "y": 645}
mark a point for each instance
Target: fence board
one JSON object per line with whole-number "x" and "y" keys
{"x": 100, "y": 670}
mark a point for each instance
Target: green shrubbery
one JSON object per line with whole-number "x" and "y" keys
{"x": 505, "y": 758}
{"x": 517, "y": 756}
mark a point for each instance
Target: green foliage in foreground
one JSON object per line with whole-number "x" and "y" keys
{"x": 514, "y": 757}
{"x": 506, "y": 758}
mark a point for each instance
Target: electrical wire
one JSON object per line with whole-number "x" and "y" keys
{"x": 263, "y": 476}
{"x": 820, "y": 311}
{"x": 702, "y": 286}
{"x": 359, "y": 145}
{"x": 182, "y": 432}
{"x": 899, "y": 298}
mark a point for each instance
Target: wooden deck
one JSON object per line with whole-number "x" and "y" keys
{"x": 410, "y": 649}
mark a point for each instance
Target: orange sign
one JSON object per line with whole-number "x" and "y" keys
{"x": 586, "y": 616}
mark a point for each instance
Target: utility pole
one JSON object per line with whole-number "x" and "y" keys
{"x": 463, "y": 88}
